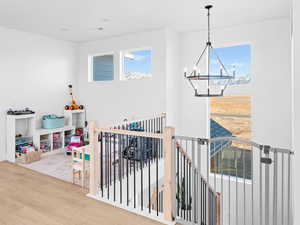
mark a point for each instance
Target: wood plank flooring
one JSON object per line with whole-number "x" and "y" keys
{"x": 31, "y": 198}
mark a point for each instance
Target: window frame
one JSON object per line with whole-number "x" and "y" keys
{"x": 121, "y": 63}
{"x": 234, "y": 93}
{"x": 91, "y": 67}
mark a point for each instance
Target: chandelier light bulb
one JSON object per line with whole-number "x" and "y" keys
{"x": 195, "y": 70}
{"x": 185, "y": 71}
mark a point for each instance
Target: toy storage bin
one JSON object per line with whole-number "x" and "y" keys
{"x": 57, "y": 141}
{"x": 53, "y": 121}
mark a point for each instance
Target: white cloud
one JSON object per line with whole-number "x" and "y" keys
{"x": 237, "y": 65}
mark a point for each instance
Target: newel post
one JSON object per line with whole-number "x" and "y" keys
{"x": 169, "y": 174}
{"x": 93, "y": 157}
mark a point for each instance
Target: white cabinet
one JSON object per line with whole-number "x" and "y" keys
{"x": 75, "y": 118}
{"x": 18, "y": 124}
{"x": 49, "y": 134}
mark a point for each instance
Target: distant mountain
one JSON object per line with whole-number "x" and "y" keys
{"x": 136, "y": 76}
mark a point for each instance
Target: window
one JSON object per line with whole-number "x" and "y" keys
{"x": 231, "y": 115}
{"x": 102, "y": 67}
{"x": 234, "y": 58}
{"x": 136, "y": 64}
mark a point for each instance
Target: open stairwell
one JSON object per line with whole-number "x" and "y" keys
{"x": 143, "y": 167}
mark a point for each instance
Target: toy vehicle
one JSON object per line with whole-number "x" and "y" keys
{"x": 74, "y": 105}
{"x": 26, "y": 111}
{"x": 139, "y": 149}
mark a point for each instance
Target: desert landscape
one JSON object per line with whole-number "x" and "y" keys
{"x": 233, "y": 113}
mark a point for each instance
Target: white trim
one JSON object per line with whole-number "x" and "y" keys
{"x": 90, "y": 67}
{"x": 133, "y": 210}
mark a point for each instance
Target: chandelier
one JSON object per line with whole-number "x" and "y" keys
{"x": 210, "y": 83}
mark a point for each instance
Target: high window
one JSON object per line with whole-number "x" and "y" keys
{"x": 136, "y": 64}
{"x": 102, "y": 67}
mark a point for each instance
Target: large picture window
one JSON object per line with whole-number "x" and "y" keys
{"x": 136, "y": 64}
{"x": 231, "y": 116}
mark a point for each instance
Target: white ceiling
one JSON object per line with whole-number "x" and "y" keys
{"x": 77, "y": 20}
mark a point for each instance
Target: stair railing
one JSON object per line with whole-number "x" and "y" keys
{"x": 128, "y": 166}
{"x": 252, "y": 182}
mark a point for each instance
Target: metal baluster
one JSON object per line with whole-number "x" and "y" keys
{"x": 141, "y": 163}
{"x": 229, "y": 194}
{"x": 275, "y": 189}
{"x": 289, "y": 189}
{"x": 184, "y": 188}
{"x": 208, "y": 172}
{"x": 134, "y": 180}
{"x": 120, "y": 165}
{"x": 267, "y": 188}
{"x": 222, "y": 194}
{"x": 178, "y": 180}
{"x": 190, "y": 195}
{"x": 260, "y": 188}
{"x": 101, "y": 162}
{"x": 244, "y": 177}
{"x": 156, "y": 157}
{"x": 215, "y": 169}
{"x": 149, "y": 180}
{"x": 199, "y": 183}
{"x": 127, "y": 170}
{"x": 194, "y": 195}
{"x": 282, "y": 188}
{"x": 114, "y": 140}
{"x": 252, "y": 188}
{"x": 236, "y": 188}
{"x": 123, "y": 159}
{"x": 108, "y": 165}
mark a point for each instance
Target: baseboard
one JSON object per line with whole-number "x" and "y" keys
{"x": 132, "y": 210}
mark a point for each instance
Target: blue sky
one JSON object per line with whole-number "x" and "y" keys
{"x": 240, "y": 56}
{"x": 141, "y": 62}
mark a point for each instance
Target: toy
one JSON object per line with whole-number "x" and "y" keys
{"x": 74, "y": 105}
{"x": 26, "y": 111}
{"x": 27, "y": 148}
{"x": 76, "y": 141}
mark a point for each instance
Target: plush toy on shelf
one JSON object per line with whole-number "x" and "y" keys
{"x": 74, "y": 105}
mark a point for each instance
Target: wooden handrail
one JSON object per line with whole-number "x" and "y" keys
{"x": 130, "y": 133}
{"x": 183, "y": 151}
{"x": 161, "y": 115}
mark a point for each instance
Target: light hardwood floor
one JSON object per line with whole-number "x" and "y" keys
{"x": 31, "y": 198}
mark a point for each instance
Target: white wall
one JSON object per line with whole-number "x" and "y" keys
{"x": 35, "y": 71}
{"x": 173, "y": 72}
{"x": 111, "y": 101}
{"x": 296, "y": 106}
{"x": 270, "y": 86}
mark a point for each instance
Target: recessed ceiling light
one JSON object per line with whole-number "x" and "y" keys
{"x": 64, "y": 29}
{"x": 104, "y": 20}
{"x": 100, "y": 28}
